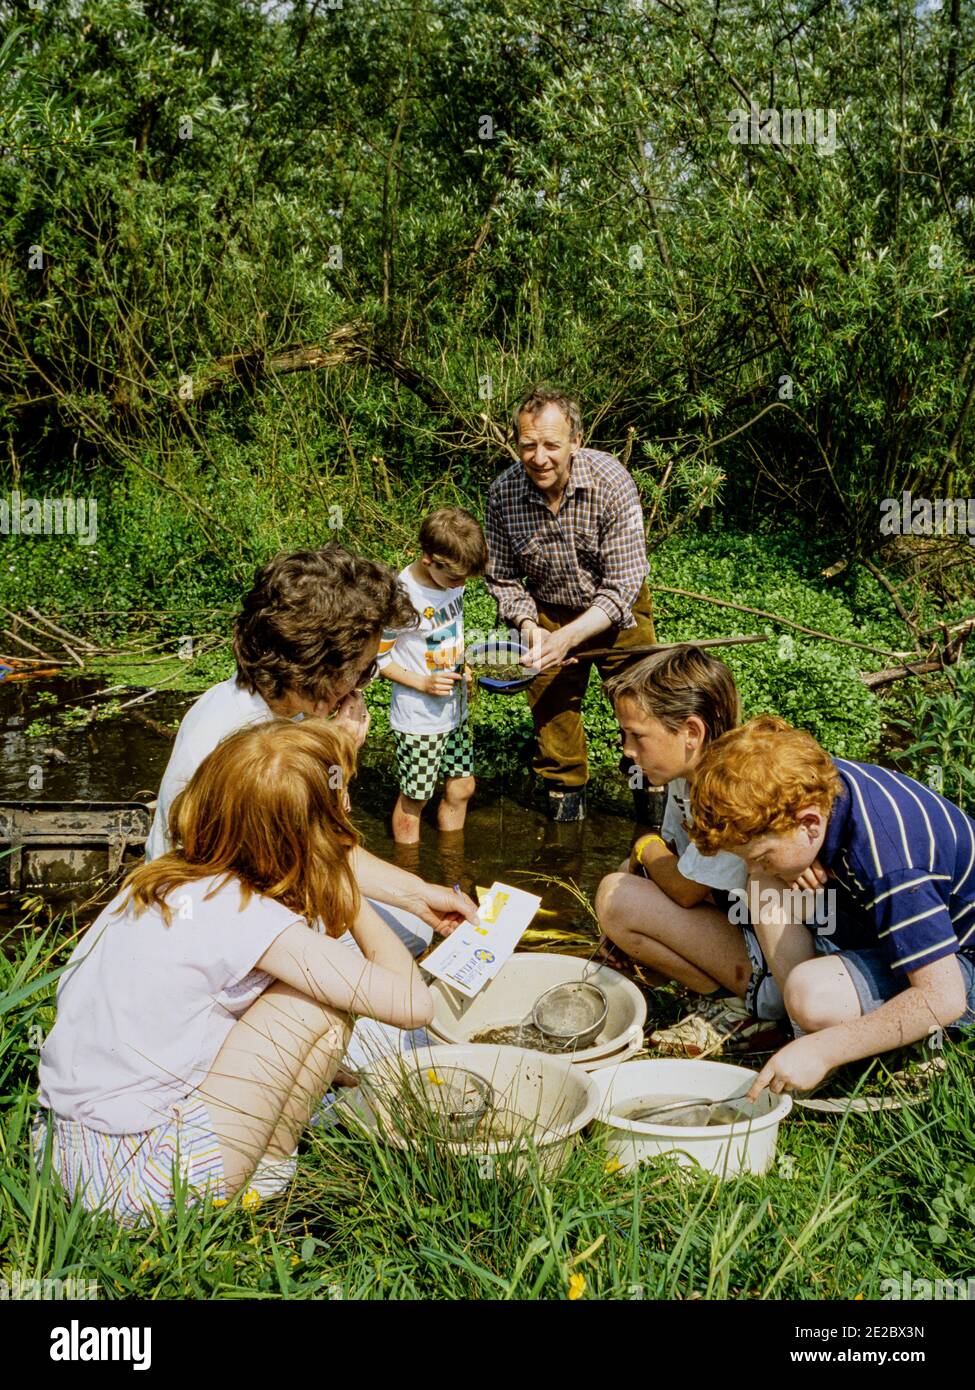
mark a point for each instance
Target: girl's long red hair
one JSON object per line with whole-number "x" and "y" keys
{"x": 267, "y": 806}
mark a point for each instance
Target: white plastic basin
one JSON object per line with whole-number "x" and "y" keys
{"x": 511, "y": 995}
{"x": 747, "y": 1146}
{"x": 539, "y": 1095}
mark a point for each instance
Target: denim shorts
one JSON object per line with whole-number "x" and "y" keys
{"x": 763, "y": 998}
{"x": 875, "y": 982}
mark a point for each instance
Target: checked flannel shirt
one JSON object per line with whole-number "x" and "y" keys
{"x": 593, "y": 553}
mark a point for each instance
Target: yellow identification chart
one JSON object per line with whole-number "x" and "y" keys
{"x": 473, "y": 954}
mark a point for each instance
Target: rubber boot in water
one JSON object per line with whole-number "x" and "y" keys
{"x": 567, "y": 803}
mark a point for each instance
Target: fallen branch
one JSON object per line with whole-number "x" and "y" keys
{"x": 671, "y": 646}
{"x": 776, "y": 618}
{"x": 949, "y": 656}
{"x": 874, "y": 679}
{"x": 23, "y": 642}
{"x": 20, "y": 620}
{"x": 60, "y": 632}
{"x": 154, "y": 725}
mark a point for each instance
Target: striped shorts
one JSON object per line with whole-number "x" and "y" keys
{"x": 134, "y": 1176}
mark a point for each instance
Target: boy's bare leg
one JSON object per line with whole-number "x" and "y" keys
{"x": 776, "y": 920}
{"x": 821, "y": 994}
{"x": 274, "y": 1066}
{"x": 696, "y": 946}
{"x": 406, "y": 820}
{"x": 452, "y": 811}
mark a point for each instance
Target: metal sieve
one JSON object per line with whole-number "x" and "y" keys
{"x": 457, "y": 1098}
{"x": 571, "y": 1014}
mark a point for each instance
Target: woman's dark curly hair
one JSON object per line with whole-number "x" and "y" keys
{"x": 308, "y": 618}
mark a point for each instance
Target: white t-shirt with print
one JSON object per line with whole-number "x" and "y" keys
{"x": 436, "y": 645}
{"x": 143, "y": 1009}
{"x": 722, "y": 870}
{"x": 221, "y": 710}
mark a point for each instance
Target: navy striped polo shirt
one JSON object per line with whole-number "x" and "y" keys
{"x": 904, "y": 859}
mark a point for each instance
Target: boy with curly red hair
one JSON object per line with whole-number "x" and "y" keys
{"x": 899, "y": 963}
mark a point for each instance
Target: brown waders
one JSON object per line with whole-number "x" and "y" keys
{"x": 555, "y": 697}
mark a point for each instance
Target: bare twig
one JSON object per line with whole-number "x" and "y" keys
{"x": 23, "y": 642}
{"x": 81, "y": 642}
{"x": 885, "y": 583}
{"x": 776, "y": 618}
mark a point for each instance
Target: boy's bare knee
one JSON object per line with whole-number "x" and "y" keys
{"x": 457, "y": 790}
{"x": 604, "y": 901}
{"x": 336, "y": 1036}
{"x": 809, "y": 998}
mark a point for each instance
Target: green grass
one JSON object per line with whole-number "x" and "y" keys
{"x": 850, "y": 1202}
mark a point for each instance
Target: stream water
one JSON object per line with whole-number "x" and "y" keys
{"x": 119, "y": 755}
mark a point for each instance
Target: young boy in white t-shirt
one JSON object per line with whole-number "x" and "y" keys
{"x": 428, "y": 710}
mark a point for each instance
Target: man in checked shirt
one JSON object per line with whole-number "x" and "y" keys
{"x": 567, "y": 566}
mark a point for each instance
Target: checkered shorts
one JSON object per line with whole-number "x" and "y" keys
{"x": 422, "y": 758}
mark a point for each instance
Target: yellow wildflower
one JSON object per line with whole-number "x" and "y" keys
{"x": 433, "y": 1077}
{"x": 612, "y": 1165}
{"x": 577, "y": 1286}
{"x": 251, "y": 1199}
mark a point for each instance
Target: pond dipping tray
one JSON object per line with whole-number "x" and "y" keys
{"x": 743, "y": 1144}
{"x": 502, "y": 1011}
{"x": 535, "y": 1102}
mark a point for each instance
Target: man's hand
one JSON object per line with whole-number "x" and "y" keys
{"x": 441, "y": 908}
{"x": 352, "y": 714}
{"x": 812, "y": 878}
{"x": 441, "y": 683}
{"x": 799, "y": 1066}
{"x": 547, "y": 649}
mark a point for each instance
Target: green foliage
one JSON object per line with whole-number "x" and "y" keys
{"x": 813, "y": 683}
{"x": 517, "y": 189}
{"x": 939, "y": 726}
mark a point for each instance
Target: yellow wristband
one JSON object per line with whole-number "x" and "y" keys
{"x": 642, "y": 843}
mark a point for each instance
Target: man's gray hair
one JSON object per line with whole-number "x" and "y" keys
{"x": 538, "y": 398}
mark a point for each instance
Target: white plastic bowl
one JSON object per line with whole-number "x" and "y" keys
{"x": 511, "y": 996}
{"x": 555, "y": 1099}
{"x": 747, "y": 1146}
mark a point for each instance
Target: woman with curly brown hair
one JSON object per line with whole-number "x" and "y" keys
{"x": 305, "y": 643}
